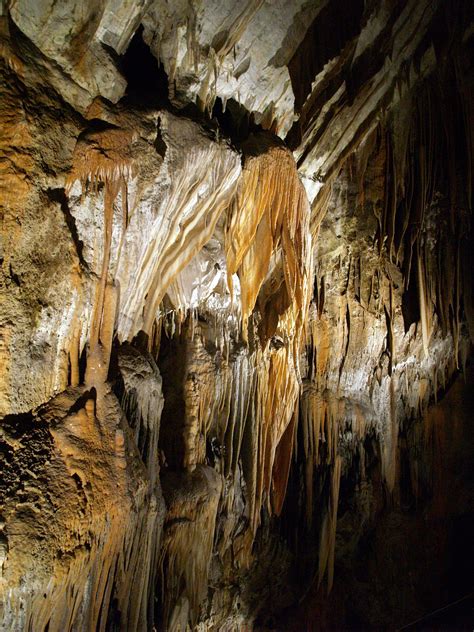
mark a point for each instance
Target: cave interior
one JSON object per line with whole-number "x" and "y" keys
{"x": 236, "y": 316}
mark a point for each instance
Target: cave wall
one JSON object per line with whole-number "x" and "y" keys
{"x": 385, "y": 415}
{"x": 234, "y": 286}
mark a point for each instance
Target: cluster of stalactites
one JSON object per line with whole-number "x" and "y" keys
{"x": 422, "y": 243}
{"x": 425, "y": 224}
{"x": 249, "y": 403}
{"x": 321, "y": 418}
{"x": 103, "y": 158}
{"x": 268, "y": 235}
{"x": 268, "y": 245}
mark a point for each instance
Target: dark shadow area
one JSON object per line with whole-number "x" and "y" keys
{"x": 407, "y": 564}
{"x": 172, "y": 362}
{"x": 334, "y": 26}
{"x": 59, "y": 197}
{"x": 147, "y": 81}
{"x": 235, "y": 121}
{"x": 410, "y": 301}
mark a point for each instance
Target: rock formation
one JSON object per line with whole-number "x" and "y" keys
{"x": 237, "y": 314}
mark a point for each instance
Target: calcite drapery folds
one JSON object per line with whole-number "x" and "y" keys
{"x": 236, "y": 275}
{"x": 270, "y": 212}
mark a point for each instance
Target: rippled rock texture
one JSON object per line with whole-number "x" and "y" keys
{"x": 237, "y": 310}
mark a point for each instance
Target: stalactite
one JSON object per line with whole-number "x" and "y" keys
{"x": 183, "y": 221}
{"x": 425, "y": 305}
{"x": 422, "y": 187}
{"x": 103, "y": 158}
{"x": 269, "y": 211}
{"x": 328, "y": 531}
{"x": 142, "y": 401}
{"x": 187, "y": 229}
{"x": 282, "y": 464}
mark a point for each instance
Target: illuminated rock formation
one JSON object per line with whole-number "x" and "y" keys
{"x": 236, "y": 303}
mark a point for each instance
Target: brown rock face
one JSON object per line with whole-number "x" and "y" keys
{"x": 236, "y": 316}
